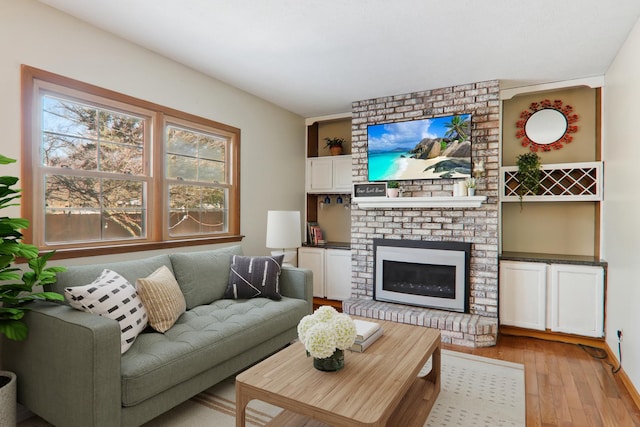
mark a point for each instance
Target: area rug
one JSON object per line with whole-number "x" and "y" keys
{"x": 475, "y": 391}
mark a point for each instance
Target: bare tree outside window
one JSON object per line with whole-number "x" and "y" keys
{"x": 87, "y": 144}
{"x": 196, "y": 170}
{"x": 106, "y": 170}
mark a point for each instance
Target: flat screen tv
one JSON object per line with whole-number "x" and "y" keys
{"x": 434, "y": 148}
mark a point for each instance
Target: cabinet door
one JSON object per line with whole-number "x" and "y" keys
{"x": 319, "y": 174}
{"x": 577, "y": 299}
{"x": 522, "y": 298}
{"x": 337, "y": 276}
{"x": 342, "y": 173}
{"x": 313, "y": 259}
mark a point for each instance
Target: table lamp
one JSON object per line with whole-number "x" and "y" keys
{"x": 283, "y": 232}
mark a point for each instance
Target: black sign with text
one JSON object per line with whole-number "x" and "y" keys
{"x": 370, "y": 189}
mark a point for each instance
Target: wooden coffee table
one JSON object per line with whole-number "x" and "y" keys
{"x": 379, "y": 387}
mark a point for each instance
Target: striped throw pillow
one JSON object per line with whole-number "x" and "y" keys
{"x": 162, "y": 297}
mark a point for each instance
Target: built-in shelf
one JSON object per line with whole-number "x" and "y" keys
{"x": 558, "y": 182}
{"x": 419, "y": 202}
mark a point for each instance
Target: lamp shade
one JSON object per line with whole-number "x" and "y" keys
{"x": 283, "y": 229}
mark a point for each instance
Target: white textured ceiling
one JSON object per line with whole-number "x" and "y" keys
{"x": 314, "y": 57}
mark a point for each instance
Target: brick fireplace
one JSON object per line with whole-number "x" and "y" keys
{"x": 477, "y": 226}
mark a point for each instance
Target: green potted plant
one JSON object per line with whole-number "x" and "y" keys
{"x": 16, "y": 290}
{"x": 334, "y": 145}
{"x": 529, "y": 167}
{"x": 393, "y": 188}
{"x": 471, "y": 186}
{"x": 16, "y": 286}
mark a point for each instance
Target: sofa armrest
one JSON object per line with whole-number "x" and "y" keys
{"x": 297, "y": 283}
{"x": 68, "y": 368}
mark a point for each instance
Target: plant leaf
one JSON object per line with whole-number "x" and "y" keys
{"x": 14, "y": 330}
{"x": 4, "y": 160}
{"x": 51, "y": 296}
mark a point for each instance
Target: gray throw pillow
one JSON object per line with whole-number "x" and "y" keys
{"x": 251, "y": 277}
{"x": 203, "y": 276}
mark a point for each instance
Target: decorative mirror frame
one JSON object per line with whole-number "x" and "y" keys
{"x": 566, "y": 138}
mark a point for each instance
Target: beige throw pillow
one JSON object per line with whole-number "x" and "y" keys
{"x": 162, "y": 298}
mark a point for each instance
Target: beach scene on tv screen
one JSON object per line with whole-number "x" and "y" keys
{"x": 434, "y": 148}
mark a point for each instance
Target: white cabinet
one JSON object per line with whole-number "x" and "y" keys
{"x": 342, "y": 179}
{"x": 523, "y": 290}
{"x": 577, "y": 299}
{"x": 560, "y": 297}
{"x": 328, "y": 174}
{"x": 337, "y": 274}
{"x": 313, "y": 259}
{"x": 331, "y": 271}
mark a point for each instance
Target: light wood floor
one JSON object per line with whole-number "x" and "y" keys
{"x": 565, "y": 384}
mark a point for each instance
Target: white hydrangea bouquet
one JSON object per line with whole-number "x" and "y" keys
{"x": 325, "y": 335}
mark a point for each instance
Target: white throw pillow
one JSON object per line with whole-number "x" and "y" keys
{"x": 112, "y": 296}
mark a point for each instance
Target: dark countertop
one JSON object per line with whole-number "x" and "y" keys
{"x": 552, "y": 258}
{"x": 330, "y": 245}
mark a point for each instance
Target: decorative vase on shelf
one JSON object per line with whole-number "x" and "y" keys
{"x": 472, "y": 191}
{"x": 336, "y": 150}
{"x": 393, "y": 192}
{"x": 333, "y": 363}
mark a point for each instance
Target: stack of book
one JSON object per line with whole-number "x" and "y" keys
{"x": 366, "y": 334}
{"x": 315, "y": 234}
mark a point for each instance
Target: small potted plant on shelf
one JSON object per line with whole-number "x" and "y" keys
{"x": 334, "y": 145}
{"x": 393, "y": 188}
{"x": 471, "y": 186}
{"x": 529, "y": 167}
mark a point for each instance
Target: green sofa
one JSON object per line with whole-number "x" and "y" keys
{"x": 71, "y": 371}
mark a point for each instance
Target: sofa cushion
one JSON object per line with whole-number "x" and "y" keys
{"x": 162, "y": 298}
{"x": 254, "y": 276}
{"x": 112, "y": 296}
{"x": 203, "y": 276}
{"x": 131, "y": 270}
{"x": 201, "y": 339}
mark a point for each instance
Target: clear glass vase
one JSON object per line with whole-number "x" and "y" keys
{"x": 335, "y": 362}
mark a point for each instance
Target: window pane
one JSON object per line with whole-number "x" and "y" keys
{"x": 196, "y": 210}
{"x": 69, "y": 152}
{"x": 83, "y": 137}
{"x": 181, "y": 141}
{"x": 90, "y": 209}
{"x": 181, "y": 167}
{"x": 212, "y": 148}
{"x": 71, "y": 192}
{"x": 195, "y": 156}
{"x": 71, "y": 225}
{"x": 123, "y": 223}
{"x": 121, "y": 128}
{"x": 210, "y": 171}
{"x": 68, "y": 118}
{"x": 121, "y": 158}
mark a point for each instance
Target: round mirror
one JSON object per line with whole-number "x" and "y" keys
{"x": 546, "y": 126}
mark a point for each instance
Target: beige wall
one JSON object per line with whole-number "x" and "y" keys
{"x": 272, "y": 139}
{"x": 335, "y": 219}
{"x": 551, "y": 228}
{"x": 621, "y": 214}
{"x": 559, "y": 227}
{"x": 334, "y": 129}
{"x": 583, "y": 147}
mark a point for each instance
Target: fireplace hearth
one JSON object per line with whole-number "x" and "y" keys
{"x": 422, "y": 273}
